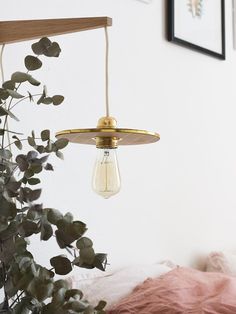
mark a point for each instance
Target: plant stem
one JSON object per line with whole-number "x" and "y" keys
{"x": 22, "y": 99}
{"x": 5, "y": 121}
{"x": 6, "y": 301}
{"x": 6, "y": 117}
{"x": 24, "y": 139}
{"x": 16, "y": 299}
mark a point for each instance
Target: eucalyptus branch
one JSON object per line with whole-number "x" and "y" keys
{"x": 23, "y": 140}
{"x": 9, "y": 106}
{"x": 5, "y": 122}
{"x": 22, "y": 99}
{"x": 22, "y": 216}
{"x": 16, "y": 299}
{"x": 4, "y": 275}
{"x": 3, "y": 104}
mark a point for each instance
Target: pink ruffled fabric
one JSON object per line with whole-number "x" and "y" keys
{"x": 182, "y": 290}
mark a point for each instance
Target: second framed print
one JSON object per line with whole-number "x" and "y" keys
{"x": 199, "y": 25}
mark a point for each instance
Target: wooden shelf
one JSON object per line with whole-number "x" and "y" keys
{"x": 15, "y": 31}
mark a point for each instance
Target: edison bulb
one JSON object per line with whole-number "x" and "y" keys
{"x": 106, "y": 176}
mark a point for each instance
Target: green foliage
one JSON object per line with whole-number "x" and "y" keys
{"x": 32, "y": 63}
{"x": 30, "y": 287}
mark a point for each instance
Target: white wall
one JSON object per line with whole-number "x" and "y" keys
{"x": 178, "y": 196}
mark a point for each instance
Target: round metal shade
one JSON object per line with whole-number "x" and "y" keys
{"x": 124, "y": 136}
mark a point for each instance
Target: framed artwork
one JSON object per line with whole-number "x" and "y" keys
{"x": 198, "y": 25}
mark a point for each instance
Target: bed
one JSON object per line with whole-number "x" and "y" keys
{"x": 166, "y": 288}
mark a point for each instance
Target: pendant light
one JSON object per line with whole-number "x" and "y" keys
{"x": 107, "y": 137}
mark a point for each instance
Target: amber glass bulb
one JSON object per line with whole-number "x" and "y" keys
{"x": 106, "y": 176}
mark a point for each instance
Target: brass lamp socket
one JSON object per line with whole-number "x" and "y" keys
{"x": 107, "y": 122}
{"x": 107, "y": 142}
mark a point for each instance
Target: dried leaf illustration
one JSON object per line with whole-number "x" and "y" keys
{"x": 195, "y": 7}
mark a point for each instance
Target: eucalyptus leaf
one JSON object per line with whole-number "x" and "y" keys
{"x": 29, "y": 173}
{"x": 59, "y": 154}
{"x": 73, "y": 293}
{"x": 57, "y": 100}
{"x": 27, "y": 228}
{"x": 18, "y": 144}
{"x": 14, "y": 94}
{"x": 48, "y": 167}
{"x": 100, "y": 261}
{"x": 58, "y": 298}
{"x": 33, "y": 213}
{"x": 61, "y": 143}
{"x": 36, "y": 168}
{"x": 41, "y": 289}
{"x": 53, "y": 215}
{"x": 34, "y": 195}
{"x": 87, "y": 255}
{"x": 5, "y": 153}
{"x": 31, "y": 98}
{"x": 61, "y": 264}
{"x": 13, "y": 185}
{"x": 32, "y": 63}
{"x": 9, "y": 85}
{"x": 31, "y": 141}
{"x": 68, "y": 218}
{"x": 20, "y": 77}
{"x": 8, "y": 234}
{"x": 46, "y": 231}
{"x": 7, "y": 208}
{"x": 33, "y": 81}
{"x": 32, "y": 155}
{"x": 53, "y": 50}
{"x": 49, "y": 147}
{"x": 77, "y": 229}
{"x": 4, "y": 112}
{"x": 46, "y": 101}
{"x": 12, "y": 115}
{"x": 40, "y": 47}
{"x": 84, "y": 243}
{"x": 43, "y": 159}
{"x": 63, "y": 239}
{"x": 40, "y": 149}
{"x": 34, "y": 181}
{"x": 101, "y": 305}
{"x": 80, "y": 263}
{"x": 58, "y": 284}
{"x": 44, "y": 94}
{"x": 22, "y": 162}
{"x": 45, "y": 135}
{"x": 77, "y": 307}
{"x": 3, "y": 94}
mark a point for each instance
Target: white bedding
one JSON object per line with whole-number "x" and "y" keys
{"x": 114, "y": 285}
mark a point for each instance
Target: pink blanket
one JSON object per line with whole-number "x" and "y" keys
{"x": 182, "y": 290}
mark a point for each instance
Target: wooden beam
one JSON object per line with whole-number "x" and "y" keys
{"x": 15, "y": 31}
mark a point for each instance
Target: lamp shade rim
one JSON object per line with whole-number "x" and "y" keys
{"x": 125, "y": 136}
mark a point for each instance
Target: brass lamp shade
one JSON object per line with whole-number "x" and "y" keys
{"x": 107, "y": 135}
{"x": 123, "y": 136}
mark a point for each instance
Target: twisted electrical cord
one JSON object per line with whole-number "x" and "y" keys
{"x": 106, "y": 72}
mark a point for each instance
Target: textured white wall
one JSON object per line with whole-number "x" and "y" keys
{"x": 178, "y": 196}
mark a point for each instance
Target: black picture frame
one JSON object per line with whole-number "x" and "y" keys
{"x": 180, "y": 41}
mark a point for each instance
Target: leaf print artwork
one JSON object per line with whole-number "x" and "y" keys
{"x": 195, "y": 7}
